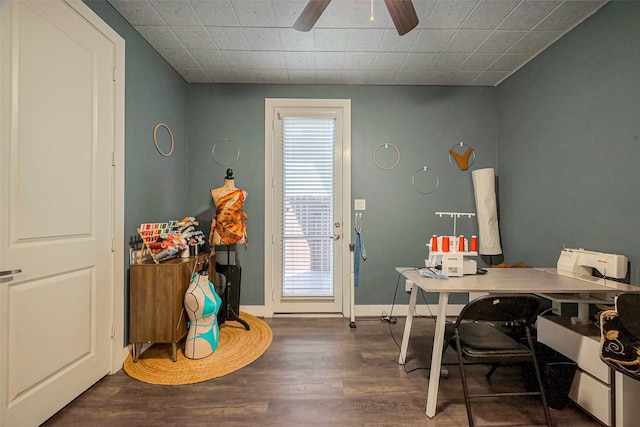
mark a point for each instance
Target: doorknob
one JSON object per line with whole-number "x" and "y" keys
{"x": 10, "y": 272}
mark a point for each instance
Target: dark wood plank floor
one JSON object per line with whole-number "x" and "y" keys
{"x": 317, "y": 372}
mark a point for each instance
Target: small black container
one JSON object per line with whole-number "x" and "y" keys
{"x": 557, "y": 372}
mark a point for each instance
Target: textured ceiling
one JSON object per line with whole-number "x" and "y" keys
{"x": 457, "y": 42}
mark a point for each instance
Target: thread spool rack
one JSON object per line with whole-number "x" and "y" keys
{"x": 153, "y": 232}
{"x": 455, "y": 216}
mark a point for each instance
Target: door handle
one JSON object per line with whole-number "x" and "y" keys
{"x": 336, "y": 237}
{"x": 10, "y": 272}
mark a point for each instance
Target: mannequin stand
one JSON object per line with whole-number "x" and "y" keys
{"x": 230, "y": 313}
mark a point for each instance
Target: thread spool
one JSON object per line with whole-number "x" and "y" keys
{"x": 461, "y": 243}
{"x": 445, "y": 243}
{"x": 434, "y": 243}
{"x": 474, "y": 244}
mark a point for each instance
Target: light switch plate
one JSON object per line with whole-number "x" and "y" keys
{"x": 360, "y": 204}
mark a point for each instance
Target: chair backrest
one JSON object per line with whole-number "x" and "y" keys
{"x": 628, "y": 306}
{"x": 502, "y": 308}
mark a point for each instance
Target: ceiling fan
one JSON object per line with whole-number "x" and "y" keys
{"x": 402, "y": 13}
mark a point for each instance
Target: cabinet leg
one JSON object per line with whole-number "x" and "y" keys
{"x": 174, "y": 351}
{"x": 135, "y": 351}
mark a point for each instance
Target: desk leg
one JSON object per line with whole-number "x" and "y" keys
{"x": 583, "y": 313}
{"x": 436, "y": 355}
{"x": 408, "y": 323}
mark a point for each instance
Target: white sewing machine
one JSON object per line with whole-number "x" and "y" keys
{"x": 581, "y": 262}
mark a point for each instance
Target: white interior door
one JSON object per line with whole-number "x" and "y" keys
{"x": 56, "y": 208}
{"x": 308, "y": 205}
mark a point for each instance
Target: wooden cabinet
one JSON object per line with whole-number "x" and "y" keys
{"x": 156, "y": 295}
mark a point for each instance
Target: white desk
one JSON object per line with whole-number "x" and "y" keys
{"x": 497, "y": 280}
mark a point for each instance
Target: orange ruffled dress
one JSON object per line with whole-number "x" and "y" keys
{"x": 229, "y": 225}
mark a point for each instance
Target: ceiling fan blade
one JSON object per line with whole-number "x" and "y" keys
{"x": 310, "y": 14}
{"x": 403, "y": 14}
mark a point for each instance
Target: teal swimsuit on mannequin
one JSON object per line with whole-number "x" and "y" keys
{"x": 210, "y": 309}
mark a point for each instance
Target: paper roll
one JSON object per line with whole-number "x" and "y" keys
{"x": 486, "y": 211}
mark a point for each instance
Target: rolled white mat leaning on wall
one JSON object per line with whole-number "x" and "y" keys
{"x": 486, "y": 212}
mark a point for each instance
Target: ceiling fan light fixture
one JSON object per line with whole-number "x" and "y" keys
{"x": 371, "y": 19}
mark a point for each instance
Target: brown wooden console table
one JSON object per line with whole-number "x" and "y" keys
{"x": 156, "y": 295}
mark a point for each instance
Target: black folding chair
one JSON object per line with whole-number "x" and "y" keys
{"x": 478, "y": 335}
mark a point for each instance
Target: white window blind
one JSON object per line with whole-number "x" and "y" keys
{"x": 307, "y": 206}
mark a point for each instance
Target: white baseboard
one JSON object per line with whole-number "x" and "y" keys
{"x": 368, "y": 310}
{"x": 401, "y": 310}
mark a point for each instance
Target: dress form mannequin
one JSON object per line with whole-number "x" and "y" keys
{"x": 201, "y": 304}
{"x": 228, "y": 226}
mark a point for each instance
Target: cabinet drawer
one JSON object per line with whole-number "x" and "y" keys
{"x": 592, "y": 395}
{"x": 584, "y": 350}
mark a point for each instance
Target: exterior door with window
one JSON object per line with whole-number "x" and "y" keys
{"x": 308, "y": 251}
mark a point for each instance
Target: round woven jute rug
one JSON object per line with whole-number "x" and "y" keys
{"x": 237, "y": 348}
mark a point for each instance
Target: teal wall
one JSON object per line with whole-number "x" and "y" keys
{"x": 568, "y": 144}
{"x": 423, "y": 122}
{"x": 562, "y": 134}
{"x": 155, "y": 186}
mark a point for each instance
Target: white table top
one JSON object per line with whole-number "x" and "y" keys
{"x": 516, "y": 280}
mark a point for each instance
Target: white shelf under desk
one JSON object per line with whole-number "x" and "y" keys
{"x": 576, "y": 299}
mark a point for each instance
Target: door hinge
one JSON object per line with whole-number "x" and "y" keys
{"x": 113, "y": 330}
{"x": 114, "y": 74}
{"x": 113, "y": 244}
{"x": 113, "y": 159}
